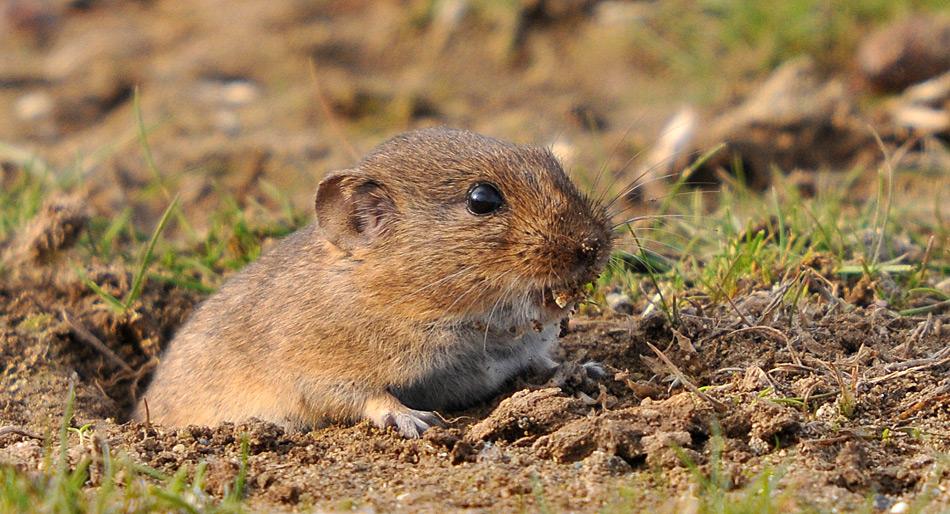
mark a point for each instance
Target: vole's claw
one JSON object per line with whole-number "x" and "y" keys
{"x": 413, "y": 423}
{"x": 433, "y": 419}
{"x": 594, "y": 370}
{"x": 387, "y": 411}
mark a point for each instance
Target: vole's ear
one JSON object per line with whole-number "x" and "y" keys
{"x": 352, "y": 210}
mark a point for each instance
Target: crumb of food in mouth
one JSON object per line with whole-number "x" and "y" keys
{"x": 562, "y": 298}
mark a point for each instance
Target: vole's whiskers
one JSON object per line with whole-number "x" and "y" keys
{"x": 690, "y": 192}
{"x": 623, "y": 168}
{"x": 465, "y": 293}
{"x": 637, "y": 183}
{"x": 603, "y": 168}
{"x": 626, "y": 245}
{"x": 472, "y": 288}
{"x": 491, "y": 313}
{"x": 419, "y": 293}
{"x": 621, "y": 265}
{"x": 670, "y": 158}
{"x": 638, "y": 230}
{"x": 646, "y": 217}
{"x": 443, "y": 279}
{"x": 636, "y": 156}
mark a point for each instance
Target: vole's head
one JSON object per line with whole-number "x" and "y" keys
{"x": 442, "y": 223}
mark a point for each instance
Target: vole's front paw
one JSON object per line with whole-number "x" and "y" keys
{"x": 594, "y": 369}
{"x": 386, "y": 411}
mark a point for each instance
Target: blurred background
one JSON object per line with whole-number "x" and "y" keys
{"x": 236, "y": 94}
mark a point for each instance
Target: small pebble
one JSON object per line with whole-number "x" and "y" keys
{"x": 619, "y": 302}
{"x": 758, "y": 446}
{"x": 239, "y": 92}
{"x": 565, "y": 152}
{"x": 33, "y": 106}
{"x": 899, "y": 508}
{"x": 882, "y": 502}
{"x": 227, "y": 122}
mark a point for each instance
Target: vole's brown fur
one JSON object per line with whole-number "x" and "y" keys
{"x": 397, "y": 298}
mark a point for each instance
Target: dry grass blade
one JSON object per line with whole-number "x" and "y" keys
{"x": 923, "y": 328}
{"x": 895, "y": 366}
{"x": 332, "y": 120}
{"x": 930, "y": 363}
{"x": 923, "y": 404}
{"x": 773, "y": 331}
{"x": 689, "y": 385}
{"x": 89, "y": 338}
{"x": 19, "y": 431}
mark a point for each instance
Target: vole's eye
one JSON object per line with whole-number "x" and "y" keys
{"x": 484, "y": 199}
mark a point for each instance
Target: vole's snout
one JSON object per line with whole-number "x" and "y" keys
{"x": 587, "y": 255}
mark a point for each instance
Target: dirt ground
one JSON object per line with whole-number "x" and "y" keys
{"x": 849, "y": 401}
{"x": 567, "y": 441}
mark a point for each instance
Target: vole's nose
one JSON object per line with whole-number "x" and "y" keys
{"x": 586, "y": 253}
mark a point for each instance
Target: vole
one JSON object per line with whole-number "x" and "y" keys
{"x": 437, "y": 268}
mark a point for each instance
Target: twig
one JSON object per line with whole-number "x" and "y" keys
{"x": 921, "y": 405}
{"x": 917, "y": 335}
{"x": 926, "y": 260}
{"x": 18, "y": 431}
{"x": 774, "y": 331}
{"x": 734, "y": 306}
{"x": 823, "y": 290}
{"x": 139, "y": 375}
{"x": 829, "y": 441}
{"x": 926, "y": 308}
{"x": 730, "y": 370}
{"x": 719, "y": 406}
{"x": 756, "y": 328}
{"x": 888, "y": 164}
{"x": 789, "y": 367}
{"x": 908, "y": 371}
{"x": 719, "y": 333}
{"x": 777, "y": 297}
{"x": 894, "y": 366}
{"x": 89, "y": 338}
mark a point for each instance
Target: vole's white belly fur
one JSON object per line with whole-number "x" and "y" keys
{"x": 475, "y": 369}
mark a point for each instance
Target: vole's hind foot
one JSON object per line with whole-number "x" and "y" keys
{"x": 387, "y": 411}
{"x": 412, "y": 423}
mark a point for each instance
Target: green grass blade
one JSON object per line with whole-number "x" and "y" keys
{"x": 143, "y": 137}
{"x": 139, "y": 279}
{"x": 925, "y": 309}
{"x": 112, "y": 302}
{"x": 115, "y": 227}
{"x": 237, "y": 493}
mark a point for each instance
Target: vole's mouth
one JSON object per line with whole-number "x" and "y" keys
{"x": 559, "y": 300}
